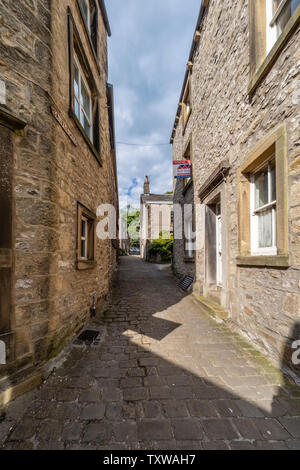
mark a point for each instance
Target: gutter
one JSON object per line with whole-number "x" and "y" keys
{"x": 195, "y": 42}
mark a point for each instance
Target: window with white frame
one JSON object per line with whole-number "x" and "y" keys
{"x": 279, "y": 13}
{"x": 263, "y": 210}
{"x": 82, "y": 100}
{"x": 86, "y": 13}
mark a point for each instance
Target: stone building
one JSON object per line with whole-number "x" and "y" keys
{"x": 242, "y": 88}
{"x": 155, "y": 217}
{"x": 183, "y": 251}
{"x": 57, "y": 165}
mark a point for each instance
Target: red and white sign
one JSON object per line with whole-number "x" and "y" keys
{"x": 182, "y": 169}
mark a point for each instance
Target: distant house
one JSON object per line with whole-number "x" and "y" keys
{"x": 156, "y": 217}
{"x": 124, "y": 236}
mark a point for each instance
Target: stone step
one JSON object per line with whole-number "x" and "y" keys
{"x": 214, "y": 309}
{"x": 22, "y": 382}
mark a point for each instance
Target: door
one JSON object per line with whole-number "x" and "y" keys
{"x": 219, "y": 244}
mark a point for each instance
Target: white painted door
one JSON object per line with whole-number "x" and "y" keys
{"x": 219, "y": 249}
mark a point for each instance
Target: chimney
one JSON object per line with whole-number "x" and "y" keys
{"x": 146, "y": 186}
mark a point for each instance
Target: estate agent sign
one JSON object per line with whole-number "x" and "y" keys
{"x": 182, "y": 169}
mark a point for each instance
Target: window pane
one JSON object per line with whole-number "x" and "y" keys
{"x": 76, "y": 108}
{"x": 286, "y": 14}
{"x": 265, "y": 229}
{"x": 261, "y": 189}
{"x": 76, "y": 80}
{"x": 84, "y": 9}
{"x": 85, "y": 99}
{"x": 273, "y": 183}
{"x": 83, "y": 249}
{"x": 83, "y": 228}
{"x": 86, "y": 125}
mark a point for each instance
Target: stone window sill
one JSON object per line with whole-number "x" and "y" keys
{"x": 85, "y": 265}
{"x": 276, "y": 261}
{"x": 269, "y": 61}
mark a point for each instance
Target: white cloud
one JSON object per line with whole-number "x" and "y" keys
{"x": 148, "y": 53}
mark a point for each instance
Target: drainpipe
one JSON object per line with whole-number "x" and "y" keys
{"x": 93, "y": 307}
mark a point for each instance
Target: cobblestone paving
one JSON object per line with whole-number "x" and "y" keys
{"x": 164, "y": 376}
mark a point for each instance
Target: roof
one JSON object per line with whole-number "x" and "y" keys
{"x": 154, "y": 198}
{"x": 105, "y": 17}
{"x": 203, "y": 7}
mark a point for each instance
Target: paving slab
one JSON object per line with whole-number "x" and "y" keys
{"x": 165, "y": 375}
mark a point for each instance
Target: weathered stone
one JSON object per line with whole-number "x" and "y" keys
{"x": 235, "y": 113}
{"x": 93, "y": 412}
{"x": 154, "y": 430}
{"x": 48, "y": 167}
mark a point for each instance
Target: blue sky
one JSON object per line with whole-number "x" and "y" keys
{"x": 148, "y": 52}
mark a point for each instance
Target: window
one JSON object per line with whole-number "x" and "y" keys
{"x": 82, "y": 100}
{"x": 263, "y": 204}
{"x": 84, "y": 94}
{"x": 85, "y": 10}
{"x": 278, "y": 13}
{"x": 272, "y": 23}
{"x": 86, "y": 238}
{"x": 187, "y": 104}
{"x": 89, "y": 12}
{"x": 263, "y": 210}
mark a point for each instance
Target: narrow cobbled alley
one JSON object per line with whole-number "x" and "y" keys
{"x": 164, "y": 375}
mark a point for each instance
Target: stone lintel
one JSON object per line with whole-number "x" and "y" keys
{"x": 214, "y": 180}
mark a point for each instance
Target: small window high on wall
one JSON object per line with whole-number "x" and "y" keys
{"x": 85, "y": 10}
{"x": 85, "y": 238}
{"x": 271, "y": 24}
{"x": 89, "y": 13}
{"x": 84, "y": 94}
{"x": 279, "y": 12}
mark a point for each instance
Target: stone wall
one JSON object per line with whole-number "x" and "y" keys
{"x": 51, "y": 175}
{"x": 226, "y": 123}
{"x": 181, "y": 265}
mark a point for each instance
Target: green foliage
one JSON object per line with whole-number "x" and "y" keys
{"x": 162, "y": 246}
{"x": 132, "y": 216}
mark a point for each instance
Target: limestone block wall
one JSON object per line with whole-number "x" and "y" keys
{"x": 181, "y": 266}
{"x": 226, "y": 123}
{"x": 51, "y": 298}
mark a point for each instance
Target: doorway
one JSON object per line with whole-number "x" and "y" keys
{"x": 219, "y": 244}
{"x": 213, "y": 243}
